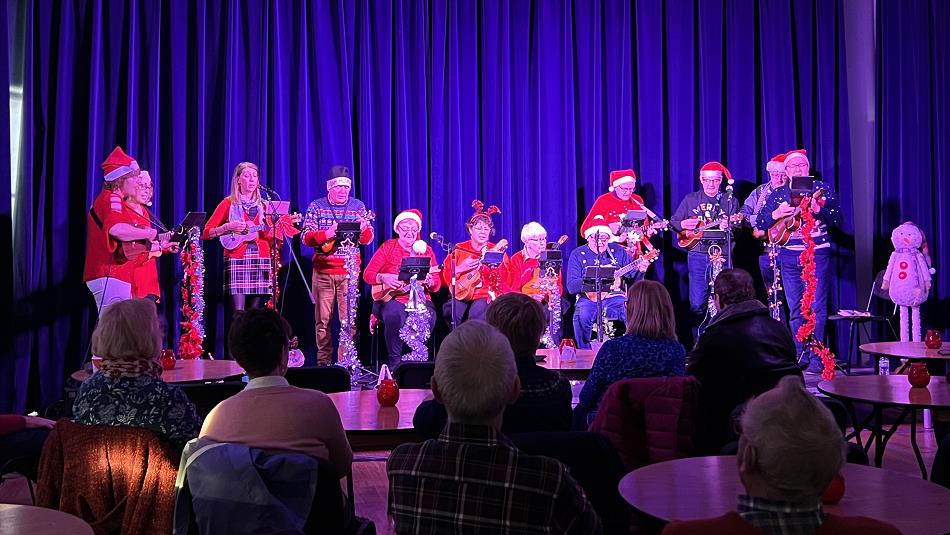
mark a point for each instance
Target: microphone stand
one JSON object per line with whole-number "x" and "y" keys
{"x": 729, "y": 214}
{"x": 597, "y": 288}
{"x": 449, "y": 249}
{"x": 274, "y": 253}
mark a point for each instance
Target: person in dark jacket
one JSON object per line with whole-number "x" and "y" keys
{"x": 545, "y": 400}
{"x": 743, "y": 353}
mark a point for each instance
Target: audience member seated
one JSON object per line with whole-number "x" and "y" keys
{"x": 648, "y": 349}
{"x": 940, "y": 471}
{"x": 21, "y": 439}
{"x": 472, "y": 479}
{"x": 269, "y": 413}
{"x": 128, "y": 389}
{"x": 789, "y": 451}
{"x": 545, "y": 400}
{"x": 742, "y": 353}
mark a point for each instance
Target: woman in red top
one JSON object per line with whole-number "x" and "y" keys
{"x": 391, "y": 294}
{"x": 145, "y": 273}
{"x": 238, "y": 222}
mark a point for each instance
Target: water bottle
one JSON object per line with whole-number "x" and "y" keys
{"x": 885, "y": 366}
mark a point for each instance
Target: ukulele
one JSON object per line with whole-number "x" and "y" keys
{"x": 232, "y": 240}
{"x": 532, "y": 288}
{"x": 383, "y": 294}
{"x": 466, "y": 283}
{"x": 365, "y": 217}
{"x": 690, "y": 238}
{"x": 615, "y": 285}
{"x": 782, "y": 230}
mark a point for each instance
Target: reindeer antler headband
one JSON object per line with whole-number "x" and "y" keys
{"x": 480, "y": 211}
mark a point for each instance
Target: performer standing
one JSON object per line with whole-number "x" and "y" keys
{"x": 696, "y": 209}
{"x": 614, "y": 204}
{"x": 780, "y": 205}
{"x": 382, "y": 272}
{"x": 329, "y": 274}
{"x": 239, "y": 223}
{"x": 752, "y": 207}
{"x": 109, "y": 278}
{"x": 598, "y": 252}
{"x": 145, "y": 274}
{"x": 475, "y": 282}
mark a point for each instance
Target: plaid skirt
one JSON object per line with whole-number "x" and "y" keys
{"x": 248, "y": 275}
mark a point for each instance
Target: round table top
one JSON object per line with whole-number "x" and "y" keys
{"x": 552, "y": 360}
{"x": 189, "y": 370}
{"x": 906, "y": 350}
{"x": 360, "y": 411}
{"x": 706, "y": 487}
{"x": 40, "y": 521}
{"x": 888, "y": 390}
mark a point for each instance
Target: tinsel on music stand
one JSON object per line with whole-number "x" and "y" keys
{"x": 191, "y": 341}
{"x": 348, "y": 352}
{"x": 415, "y": 333}
{"x": 775, "y": 290}
{"x": 550, "y": 290}
{"x": 806, "y": 333}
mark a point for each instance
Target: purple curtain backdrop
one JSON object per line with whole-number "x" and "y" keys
{"x": 527, "y": 105}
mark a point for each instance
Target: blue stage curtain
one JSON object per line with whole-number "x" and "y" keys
{"x": 527, "y": 105}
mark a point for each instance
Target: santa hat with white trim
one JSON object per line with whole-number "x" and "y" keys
{"x": 597, "y": 224}
{"x": 117, "y": 165}
{"x": 776, "y": 164}
{"x": 412, "y": 214}
{"x": 715, "y": 169}
{"x": 339, "y": 176}
{"x": 621, "y": 177}
{"x": 793, "y": 154}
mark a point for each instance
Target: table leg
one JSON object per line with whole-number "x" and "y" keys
{"x": 878, "y": 432}
{"x": 913, "y": 442}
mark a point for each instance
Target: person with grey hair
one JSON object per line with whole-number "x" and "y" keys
{"x": 789, "y": 451}
{"x": 467, "y": 480}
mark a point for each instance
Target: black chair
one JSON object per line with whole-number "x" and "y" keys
{"x": 414, "y": 374}
{"x": 854, "y": 336}
{"x": 206, "y": 396}
{"x": 327, "y": 379}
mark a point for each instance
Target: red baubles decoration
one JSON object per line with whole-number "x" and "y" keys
{"x": 835, "y": 490}
{"x": 387, "y": 391}
{"x": 918, "y": 376}
{"x": 933, "y": 339}
{"x": 168, "y": 359}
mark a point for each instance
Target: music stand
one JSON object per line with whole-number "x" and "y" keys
{"x": 272, "y": 208}
{"x": 191, "y": 220}
{"x": 550, "y": 259}
{"x": 633, "y": 217}
{"x": 598, "y": 279}
{"x": 414, "y": 266}
{"x": 348, "y": 231}
{"x": 801, "y": 187}
{"x": 493, "y": 258}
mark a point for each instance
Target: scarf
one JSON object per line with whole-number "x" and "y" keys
{"x": 116, "y": 368}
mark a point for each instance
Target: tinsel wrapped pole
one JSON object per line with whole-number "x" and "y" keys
{"x": 775, "y": 291}
{"x": 416, "y": 330}
{"x": 191, "y": 341}
{"x": 549, "y": 289}
{"x": 348, "y": 352}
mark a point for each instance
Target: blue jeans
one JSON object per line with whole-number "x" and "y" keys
{"x": 795, "y": 288}
{"x": 464, "y": 310}
{"x": 585, "y": 314}
{"x": 698, "y": 267}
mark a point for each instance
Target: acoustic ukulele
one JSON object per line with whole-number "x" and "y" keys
{"x": 782, "y": 230}
{"x": 615, "y": 285}
{"x": 690, "y": 238}
{"x": 365, "y": 217}
{"x": 466, "y": 283}
{"x": 383, "y": 294}
{"x": 232, "y": 240}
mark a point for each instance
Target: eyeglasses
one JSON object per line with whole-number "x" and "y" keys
{"x": 538, "y": 239}
{"x": 407, "y": 228}
{"x": 625, "y": 189}
{"x": 710, "y": 180}
{"x": 482, "y": 228}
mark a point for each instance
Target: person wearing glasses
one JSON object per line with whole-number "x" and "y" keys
{"x": 695, "y": 210}
{"x": 826, "y": 210}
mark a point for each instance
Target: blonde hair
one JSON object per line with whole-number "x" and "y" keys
{"x": 475, "y": 372}
{"x": 236, "y": 186}
{"x": 128, "y": 330}
{"x": 650, "y": 311}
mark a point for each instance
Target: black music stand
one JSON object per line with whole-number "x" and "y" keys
{"x": 550, "y": 259}
{"x": 348, "y": 231}
{"x": 632, "y": 217}
{"x": 191, "y": 220}
{"x": 414, "y": 266}
{"x": 598, "y": 279}
{"x": 493, "y": 258}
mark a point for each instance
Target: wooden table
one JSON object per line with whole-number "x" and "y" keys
{"x": 371, "y": 427}
{"x": 40, "y": 521}
{"x": 882, "y": 392}
{"x": 904, "y": 350}
{"x": 577, "y": 369}
{"x": 189, "y": 371}
{"x": 706, "y": 487}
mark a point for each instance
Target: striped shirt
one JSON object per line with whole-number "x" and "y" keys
{"x": 321, "y": 215}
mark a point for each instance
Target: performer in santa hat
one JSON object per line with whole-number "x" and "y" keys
{"x": 782, "y": 203}
{"x": 599, "y": 251}
{"x": 107, "y": 274}
{"x": 698, "y": 208}
{"x": 382, "y": 272}
{"x": 614, "y": 204}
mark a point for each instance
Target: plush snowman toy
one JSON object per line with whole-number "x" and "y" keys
{"x": 907, "y": 278}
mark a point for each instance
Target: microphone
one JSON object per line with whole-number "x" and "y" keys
{"x": 268, "y": 190}
{"x": 436, "y": 236}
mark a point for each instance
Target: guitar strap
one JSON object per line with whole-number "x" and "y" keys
{"x": 95, "y": 217}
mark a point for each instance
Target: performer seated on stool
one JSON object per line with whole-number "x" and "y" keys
{"x": 520, "y": 274}
{"x": 247, "y": 271}
{"x": 827, "y": 214}
{"x": 475, "y": 282}
{"x": 108, "y": 224}
{"x": 696, "y": 209}
{"x": 329, "y": 273}
{"x": 383, "y": 270}
{"x": 598, "y": 251}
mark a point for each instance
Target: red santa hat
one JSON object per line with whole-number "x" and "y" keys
{"x": 412, "y": 214}
{"x": 797, "y": 153}
{"x": 715, "y": 169}
{"x": 117, "y": 165}
{"x": 596, "y": 224}
{"x": 776, "y": 164}
{"x": 621, "y": 177}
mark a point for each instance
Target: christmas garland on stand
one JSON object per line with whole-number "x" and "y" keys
{"x": 806, "y": 333}
{"x": 191, "y": 342}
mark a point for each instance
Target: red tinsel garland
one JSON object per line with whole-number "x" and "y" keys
{"x": 806, "y": 333}
{"x": 190, "y": 344}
